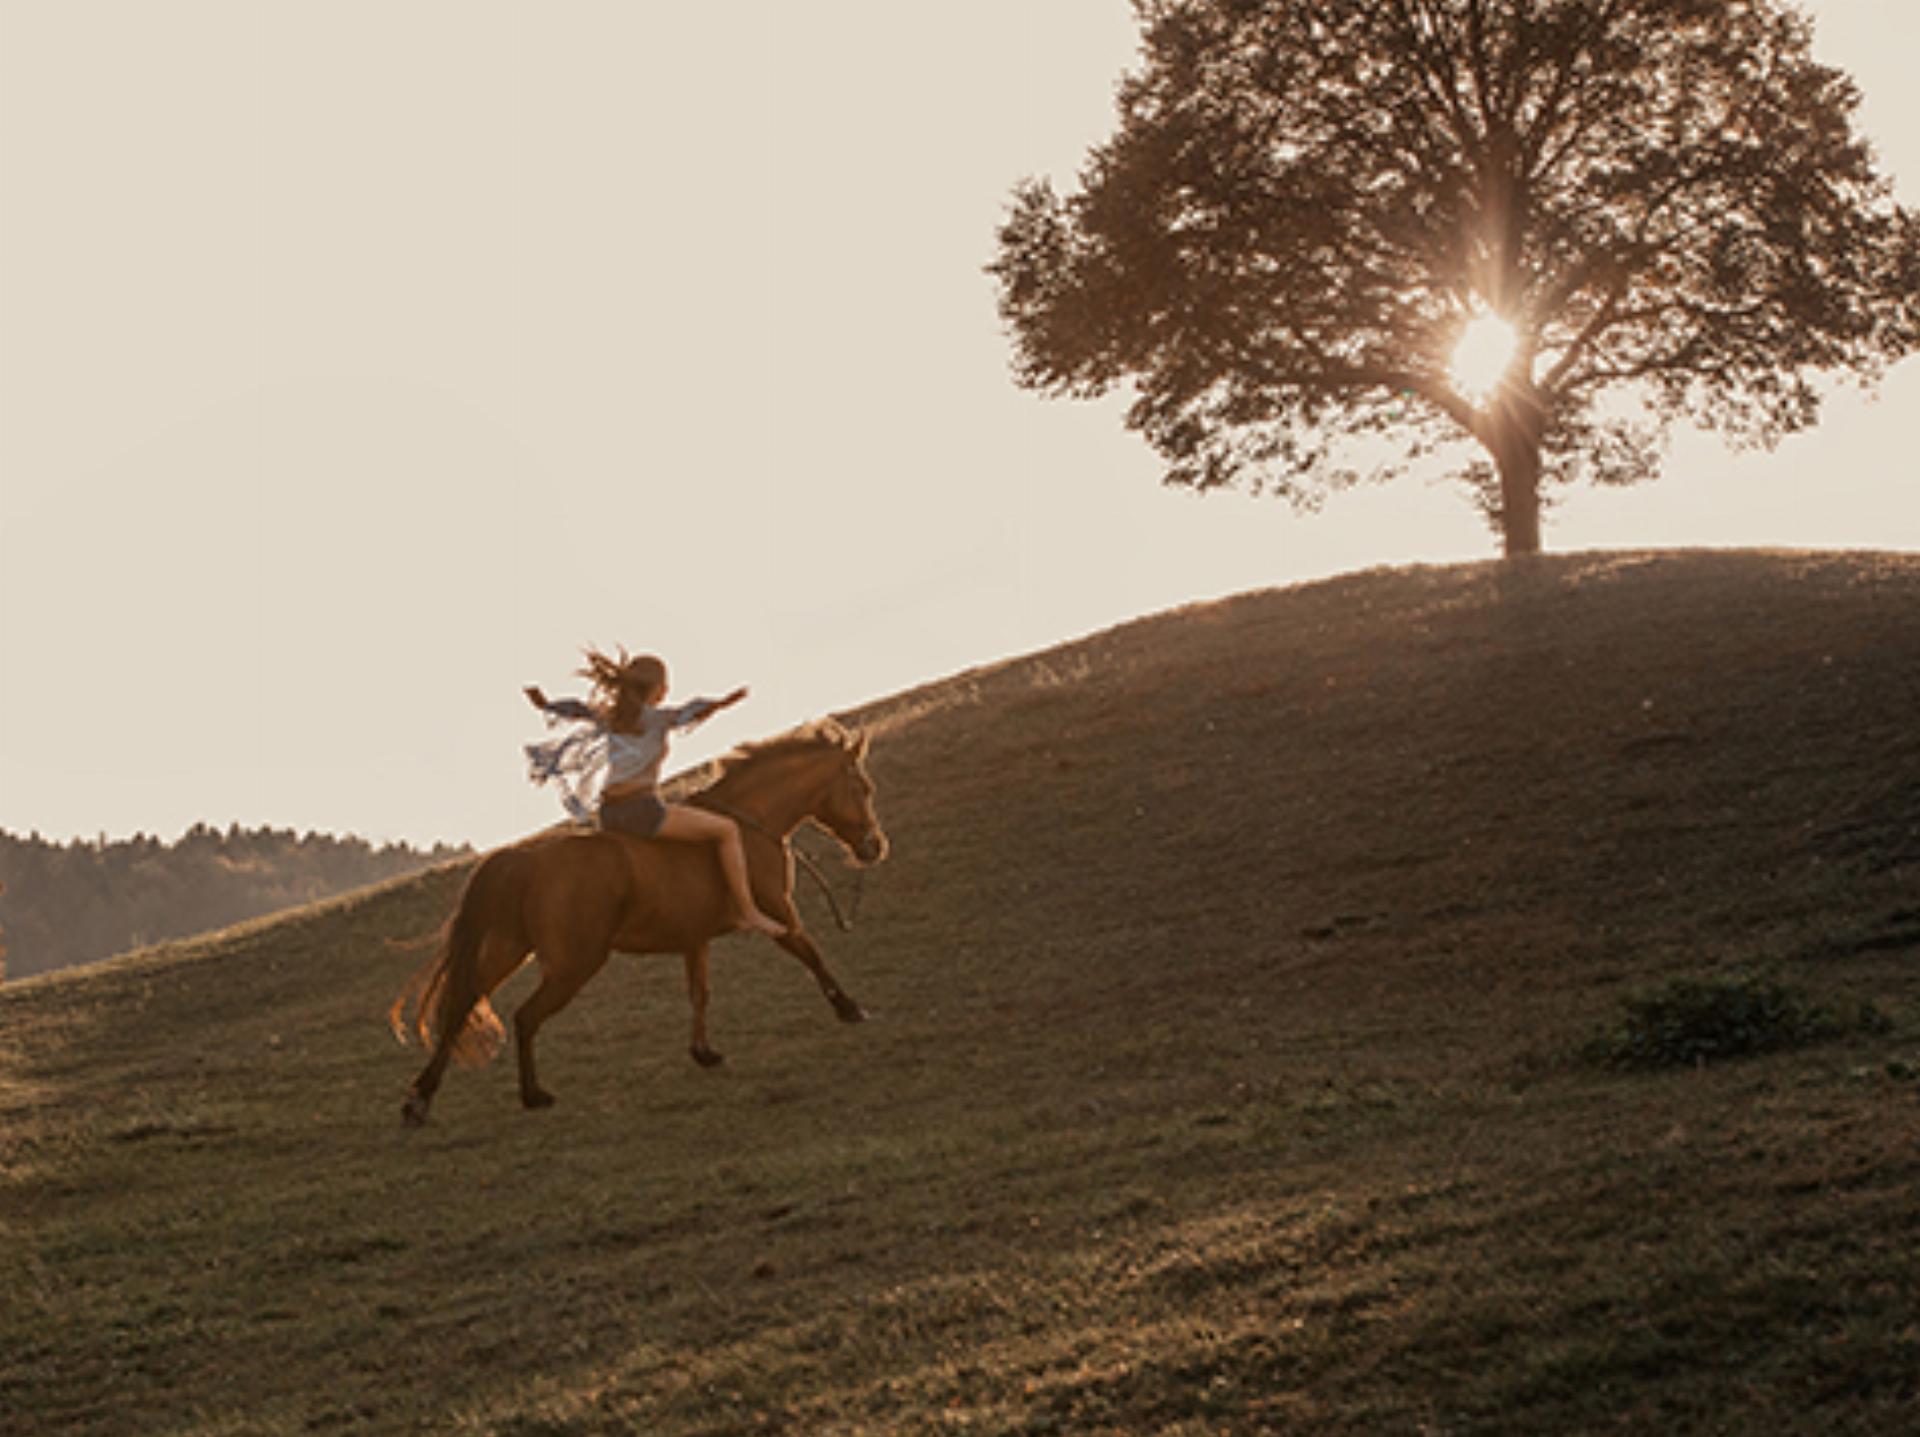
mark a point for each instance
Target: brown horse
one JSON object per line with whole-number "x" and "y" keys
{"x": 573, "y": 896}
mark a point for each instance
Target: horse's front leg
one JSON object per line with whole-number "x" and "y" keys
{"x": 796, "y": 942}
{"x": 698, "y": 991}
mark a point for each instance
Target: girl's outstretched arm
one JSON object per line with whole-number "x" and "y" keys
{"x": 557, "y": 708}
{"x": 699, "y": 710}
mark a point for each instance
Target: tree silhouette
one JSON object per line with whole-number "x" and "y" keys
{"x": 1660, "y": 206}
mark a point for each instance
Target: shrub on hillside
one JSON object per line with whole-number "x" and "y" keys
{"x": 1696, "y": 1019}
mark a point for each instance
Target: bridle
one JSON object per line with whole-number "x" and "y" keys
{"x": 747, "y": 820}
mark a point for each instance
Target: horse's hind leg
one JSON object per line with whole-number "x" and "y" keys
{"x": 413, "y": 1112}
{"x": 562, "y": 979}
{"x": 495, "y": 962}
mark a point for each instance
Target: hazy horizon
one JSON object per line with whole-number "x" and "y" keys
{"x": 360, "y": 363}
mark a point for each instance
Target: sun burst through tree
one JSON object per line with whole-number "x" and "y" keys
{"x": 1484, "y": 356}
{"x": 1274, "y": 251}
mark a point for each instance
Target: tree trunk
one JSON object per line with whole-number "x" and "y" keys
{"x": 1515, "y": 446}
{"x": 1520, "y": 503}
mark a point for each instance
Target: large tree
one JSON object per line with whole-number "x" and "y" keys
{"x": 1545, "y": 229}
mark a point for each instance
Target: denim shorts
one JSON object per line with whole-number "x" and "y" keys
{"x": 639, "y": 814}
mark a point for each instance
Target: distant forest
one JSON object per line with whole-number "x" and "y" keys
{"x": 72, "y": 903}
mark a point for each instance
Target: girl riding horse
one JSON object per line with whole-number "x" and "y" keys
{"x": 570, "y": 898}
{"x": 609, "y": 765}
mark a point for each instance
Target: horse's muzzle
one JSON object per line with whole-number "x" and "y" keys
{"x": 872, "y": 847}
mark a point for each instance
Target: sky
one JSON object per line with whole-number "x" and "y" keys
{"x": 362, "y": 361}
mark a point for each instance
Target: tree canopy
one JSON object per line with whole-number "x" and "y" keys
{"x": 1319, "y": 218}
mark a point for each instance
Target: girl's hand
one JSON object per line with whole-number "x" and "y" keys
{"x": 534, "y": 696}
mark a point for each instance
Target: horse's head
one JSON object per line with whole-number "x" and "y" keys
{"x": 818, "y": 773}
{"x": 845, "y": 806}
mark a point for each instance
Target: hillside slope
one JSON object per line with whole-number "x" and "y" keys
{"x": 1235, "y": 977}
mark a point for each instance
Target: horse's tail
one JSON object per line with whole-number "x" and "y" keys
{"x": 445, "y": 995}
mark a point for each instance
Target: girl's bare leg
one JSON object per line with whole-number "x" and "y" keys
{"x": 697, "y": 825}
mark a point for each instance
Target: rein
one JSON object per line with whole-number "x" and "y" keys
{"x": 746, "y": 820}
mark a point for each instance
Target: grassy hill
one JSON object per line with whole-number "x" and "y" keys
{"x": 1251, "y": 990}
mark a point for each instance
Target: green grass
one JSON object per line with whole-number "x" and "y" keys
{"x": 1232, "y": 979}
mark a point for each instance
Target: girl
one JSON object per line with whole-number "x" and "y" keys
{"x": 617, "y": 748}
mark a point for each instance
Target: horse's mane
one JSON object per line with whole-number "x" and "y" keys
{"x": 810, "y": 736}
{"x": 807, "y": 739}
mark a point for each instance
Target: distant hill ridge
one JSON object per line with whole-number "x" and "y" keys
{"x": 68, "y": 903}
{"x": 1237, "y": 974}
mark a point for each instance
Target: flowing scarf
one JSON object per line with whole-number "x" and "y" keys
{"x": 575, "y": 761}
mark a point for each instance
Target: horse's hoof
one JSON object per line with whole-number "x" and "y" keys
{"x": 413, "y": 1112}
{"x": 538, "y": 1098}
{"x": 849, "y": 1011}
{"x": 706, "y": 1057}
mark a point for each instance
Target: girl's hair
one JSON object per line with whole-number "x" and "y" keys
{"x": 623, "y": 686}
